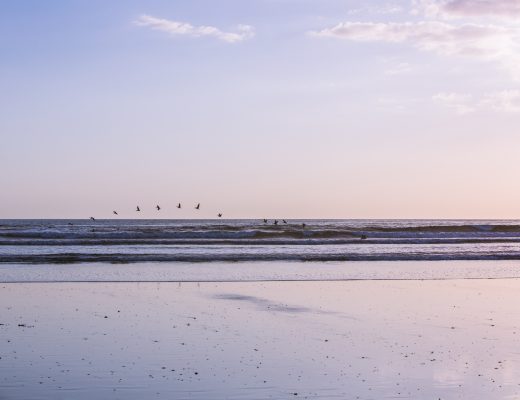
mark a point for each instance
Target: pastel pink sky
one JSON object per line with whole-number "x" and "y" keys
{"x": 275, "y": 108}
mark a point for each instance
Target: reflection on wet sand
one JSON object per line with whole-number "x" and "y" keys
{"x": 263, "y": 303}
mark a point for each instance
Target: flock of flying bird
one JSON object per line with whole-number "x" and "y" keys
{"x": 197, "y": 207}
{"x": 158, "y": 207}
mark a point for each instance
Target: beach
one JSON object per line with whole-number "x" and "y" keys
{"x": 209, "y": 200}
{"x": 366, "y": 339}
{"x": 242, "y": 309}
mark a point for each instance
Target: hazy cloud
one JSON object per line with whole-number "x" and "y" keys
{"x": 398, "y": 69}
{"x": 460, "y": 103}
{"x": 489, "y": 42}
{"x": 381, "y": 10}
{"x": 177, "y": 28}
{"x": 429, "y": 35}
{"x": 468, "y": 8}
{"x": 507, "y": 101}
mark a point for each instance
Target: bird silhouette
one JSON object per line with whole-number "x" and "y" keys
{"x": 158, "y": 208}
{"x": 115, "y": 212}
{"x": 276, "y": 222}
{"x": 303, "y": 225}
{"x": 265, "y": 221}
{"x": 198, "y": 207}
{"x": 219, "y": 215}
{"x": 92, "y": 218}
{"x": 284, "y": 221}
{"x": 137, "y": 209}
{"x": 179, "y": 205}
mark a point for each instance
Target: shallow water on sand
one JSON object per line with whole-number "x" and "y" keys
{"x": 259, "y": 271}
{"x": 365, "y": 339}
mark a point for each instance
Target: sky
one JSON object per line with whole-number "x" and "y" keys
{"x": 260, "y": 108}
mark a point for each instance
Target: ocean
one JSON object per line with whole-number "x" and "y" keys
{"x": 129, "y": 241}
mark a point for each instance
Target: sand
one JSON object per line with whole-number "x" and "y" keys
{"x": 259, "y": 271}
{"x": 453, "y": 339}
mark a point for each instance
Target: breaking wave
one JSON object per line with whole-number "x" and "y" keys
{"x": 70, "y": 241}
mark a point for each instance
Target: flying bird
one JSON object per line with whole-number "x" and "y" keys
{"x": 158, "y": 208}
{"x": 137, "y": 209}
{"x": 198, "y": 207}
{"x": 219, "y": 215}
{"x": 179, "y": 205}
{"x": 115, "y": 212}
{"x": 284, "y": 221}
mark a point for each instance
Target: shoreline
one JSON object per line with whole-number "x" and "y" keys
{"x": 278, "y": 280}
{"x": 261, "y": 271}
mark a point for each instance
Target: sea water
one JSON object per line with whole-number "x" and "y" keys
{"x": 130, "y": 241}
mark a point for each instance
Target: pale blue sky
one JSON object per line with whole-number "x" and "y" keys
{"x": 407, "y": 109}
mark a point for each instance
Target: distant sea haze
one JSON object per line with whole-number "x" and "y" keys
{"x": 127, "y": 241}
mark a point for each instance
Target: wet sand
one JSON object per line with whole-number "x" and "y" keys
{"x": 259, "y": 271}
{"x": 454, "y": 339}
